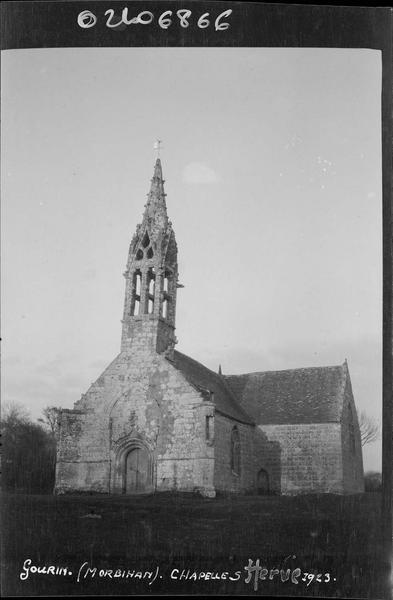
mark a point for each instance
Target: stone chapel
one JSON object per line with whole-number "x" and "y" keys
{"x": 157, "y": 420}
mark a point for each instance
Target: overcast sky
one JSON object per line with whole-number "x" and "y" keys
{"x": 272, "y": 161}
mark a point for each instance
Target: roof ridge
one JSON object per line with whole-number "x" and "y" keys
{"x": 284, "y": 370}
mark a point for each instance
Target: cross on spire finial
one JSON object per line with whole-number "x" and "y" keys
{"x": 157, "y": 147}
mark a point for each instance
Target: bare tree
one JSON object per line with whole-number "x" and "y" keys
{"x": 50, "y": 419}
{"x": 13, "y": 412}
{"x": 369, "y": 429}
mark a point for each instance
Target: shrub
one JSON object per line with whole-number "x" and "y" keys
{"x": 372, "y": 481}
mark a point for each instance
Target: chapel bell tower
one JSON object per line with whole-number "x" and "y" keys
{"x": 151, "y": 278}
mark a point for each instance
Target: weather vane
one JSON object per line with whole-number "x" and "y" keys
{"x": 158, "y": 146}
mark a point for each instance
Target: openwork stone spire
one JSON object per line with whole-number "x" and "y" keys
{"x": 155, "y": 216}
{"x": 152, "y": 277}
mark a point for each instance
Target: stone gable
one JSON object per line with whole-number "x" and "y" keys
{"x": 158, "y": 420}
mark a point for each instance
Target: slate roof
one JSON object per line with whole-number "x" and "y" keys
{"x": 206, "y": 380}
{"x": 294, "y": 396}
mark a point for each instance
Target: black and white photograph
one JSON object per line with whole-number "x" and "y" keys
{"x": 192, "y": 310}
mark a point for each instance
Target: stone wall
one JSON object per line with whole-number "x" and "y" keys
{"x": 82, "y": 460}
{"x": 147, "y": 332}
{"x": 224, "y": 477}
{"x": 311, "y": 459}
{"x": 353, "y": 477}
{"x": 257, "y": 453}
{"x": 267, "y": 459}
{"x": 140, "y": 399}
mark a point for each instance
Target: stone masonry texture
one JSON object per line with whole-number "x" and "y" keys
{"x": 157, "y": 420}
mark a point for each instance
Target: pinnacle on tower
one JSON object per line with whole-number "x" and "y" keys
{"x": 155, "y": 215}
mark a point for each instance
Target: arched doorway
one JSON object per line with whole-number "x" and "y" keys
{"x": 136, "y": 471}
{"x": 263, "y": 482}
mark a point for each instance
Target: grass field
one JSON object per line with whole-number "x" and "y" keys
{"x": 338, "y": 538}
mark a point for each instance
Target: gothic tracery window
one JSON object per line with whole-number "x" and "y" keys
{"x": 235, "y": 451}
{"x": 145, "y": 248}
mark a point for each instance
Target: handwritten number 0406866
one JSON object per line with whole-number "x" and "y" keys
{"x": 87, "y": 19}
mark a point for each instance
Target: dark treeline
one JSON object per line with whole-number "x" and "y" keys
{"x": 28, "y": 453}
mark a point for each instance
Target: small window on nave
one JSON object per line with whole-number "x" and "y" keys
{"x": 139, "y": 254}
{"x": 209, "y": 428}
{"x": 235, "y": 451}
{"x": 150, "y": 253}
